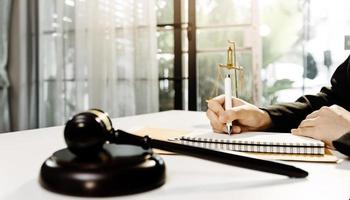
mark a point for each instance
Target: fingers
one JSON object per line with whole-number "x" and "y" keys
{"x": 245, "y": 128}
{"x": 309, "y": 122}
{"x": 231, "y": 115}
{"x": 216, "y": 125}
{"x": 219, "y": 117}
{"x": 238, "y": 102}
{"x": 219, "y": 99}
{"x": 335, "y": 106}
{"x": 216, "y": 105}
{"x": 322, "y": 111}
{"x": 337, "y": 109}
{"x": 236, "y": 129}
{"x": 217, "y": 131}
{"x": 312, "y": 132}
{"x": 306, "y": 131}
{"x": 313, "y": 114}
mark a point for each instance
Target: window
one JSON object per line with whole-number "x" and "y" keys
{"x": 192, "y": 40}
{"x": 288, "y": 48}
{"x": 172, "y": 53}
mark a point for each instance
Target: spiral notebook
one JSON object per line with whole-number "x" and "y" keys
{"x": 263, "y": 142}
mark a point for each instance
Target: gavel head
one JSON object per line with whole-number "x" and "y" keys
{"x": 86, "y": 132}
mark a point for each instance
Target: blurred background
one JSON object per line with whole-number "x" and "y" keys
{"x": 60, "y": 57}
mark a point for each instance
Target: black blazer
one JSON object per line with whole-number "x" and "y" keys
{"x": 286, "y": 116}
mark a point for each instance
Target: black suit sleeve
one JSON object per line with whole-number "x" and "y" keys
{"x": 289, "y": 115}
{"x": 343, "y": 144}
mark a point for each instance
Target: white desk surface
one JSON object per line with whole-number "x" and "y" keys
{"x": 22, "y": 153}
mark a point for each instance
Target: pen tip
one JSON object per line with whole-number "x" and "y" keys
{"x": 229, "y": 129}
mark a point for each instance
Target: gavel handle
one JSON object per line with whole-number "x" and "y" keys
{"x": 213, "y": 155}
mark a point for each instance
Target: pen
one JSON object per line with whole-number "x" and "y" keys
{"x": 228, "y": 100}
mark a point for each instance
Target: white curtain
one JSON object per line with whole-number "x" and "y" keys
{"x": 97, "y": 54}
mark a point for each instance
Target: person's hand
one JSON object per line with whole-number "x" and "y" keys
{"x": 326, "y": 124}
{"x": 245, "y": 116}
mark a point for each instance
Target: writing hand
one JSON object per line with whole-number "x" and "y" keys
{"x": 245, "y": 116}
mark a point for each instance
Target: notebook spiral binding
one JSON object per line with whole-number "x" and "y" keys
{"x": 260, "y": 147}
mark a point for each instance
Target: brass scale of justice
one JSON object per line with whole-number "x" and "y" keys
{"x": 232, "y": 68}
